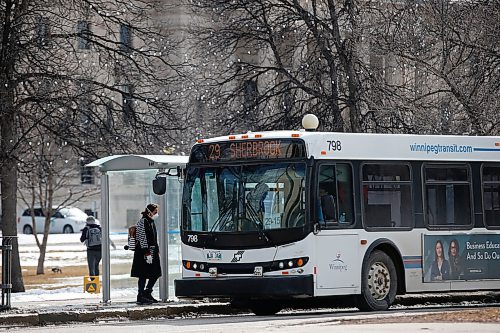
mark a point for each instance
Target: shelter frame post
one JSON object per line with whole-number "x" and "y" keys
{"x": 106, "y": 297}
{"x": 163, "y": 243}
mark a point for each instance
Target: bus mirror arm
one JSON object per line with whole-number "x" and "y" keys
{"x": 181, "y": 173}
{"x": 316, "y": 228}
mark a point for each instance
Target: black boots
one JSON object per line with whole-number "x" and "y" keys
{"x": 142, "y": 299}
{"x": 147, "y": 295}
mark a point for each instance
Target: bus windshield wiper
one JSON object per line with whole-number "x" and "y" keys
{"x": 255, "y": 220}
{"x": 224, "y": 213}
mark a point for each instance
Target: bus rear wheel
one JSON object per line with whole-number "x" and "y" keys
{"x": 378, "y": 283}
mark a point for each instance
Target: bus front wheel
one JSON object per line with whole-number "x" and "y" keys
{"x": 267, "y": 308}
{"x": 378, "y": 282}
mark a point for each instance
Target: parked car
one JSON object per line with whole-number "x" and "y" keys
{"x": 65, "y": 220}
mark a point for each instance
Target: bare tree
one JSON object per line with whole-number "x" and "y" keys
{"x": 453, "y": 50}
{"x": 93, "y": 75}
{"x": 49, "y": 180}
{"x": 383, "y": 66}
{"x": 267, "y": 62}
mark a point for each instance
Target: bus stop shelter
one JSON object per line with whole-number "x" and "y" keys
{"x": 160, "y": 163}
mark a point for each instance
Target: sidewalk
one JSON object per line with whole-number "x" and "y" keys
{"x": 59, "y": 312}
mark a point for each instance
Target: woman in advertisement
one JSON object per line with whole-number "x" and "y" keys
{"x": 440, "y": 269}
{"x": 456, "y": 267}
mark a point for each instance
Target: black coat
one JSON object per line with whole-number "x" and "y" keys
{"x": 147, "y": 241}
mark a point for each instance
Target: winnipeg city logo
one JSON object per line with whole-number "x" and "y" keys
{"x": 237, "y": 256}
{"x": 214, "y": 255}
{"x": 338, "y": 264}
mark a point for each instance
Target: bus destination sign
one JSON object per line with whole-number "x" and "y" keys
{"x": 261, "y": 149}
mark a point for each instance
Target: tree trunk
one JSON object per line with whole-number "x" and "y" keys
{"x": 8, "y": 141}
{"x": 9, "y": 224}
{"x": 48, "y": 216}
{"x": 43, "y": 246}
{"x": 41, "y": 258}
{"x": 8, "y": 179}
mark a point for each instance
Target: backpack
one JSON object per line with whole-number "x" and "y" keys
{"x": 131, "y": 240}
{"x": 94, "y": 237}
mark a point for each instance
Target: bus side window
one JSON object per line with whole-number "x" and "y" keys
{"x": 448, "y": 195}
{"x": 491, "y": 195}
{"x": 387, "y": 195}
{"x": 335, "y": 195}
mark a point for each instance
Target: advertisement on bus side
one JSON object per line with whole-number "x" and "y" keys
{"x": 461, "y": 257}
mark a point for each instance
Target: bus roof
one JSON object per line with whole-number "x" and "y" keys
{"x": 370, "y": 146}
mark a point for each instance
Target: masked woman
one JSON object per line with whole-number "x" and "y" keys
{"x": 146, "y": 265}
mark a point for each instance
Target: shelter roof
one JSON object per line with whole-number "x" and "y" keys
{"x": 138, "y": 162}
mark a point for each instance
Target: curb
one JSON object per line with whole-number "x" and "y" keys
{"x": 13, "y": 317}
{"x": 90, "y": 316}
{"x": 136, "y": 313}
{"x": 19, "y": 318}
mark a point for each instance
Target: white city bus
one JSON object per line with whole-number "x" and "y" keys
{"x": 272, "y": 217}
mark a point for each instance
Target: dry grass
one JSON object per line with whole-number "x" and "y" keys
{"x": 32, "y": 280}
{"x": 482, "y": 315}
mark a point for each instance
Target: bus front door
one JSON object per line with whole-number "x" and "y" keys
{"x": 338, "y": 263}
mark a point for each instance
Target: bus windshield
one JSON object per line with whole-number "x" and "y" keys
{"x": 244, "y": 198}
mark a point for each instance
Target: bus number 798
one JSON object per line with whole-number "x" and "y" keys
{"x": 334, "y": 145}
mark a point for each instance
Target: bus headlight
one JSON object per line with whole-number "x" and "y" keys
{"x": 194, "y": 266}
{"x": 245, "y": 268}
{"x": 289, "y": 263}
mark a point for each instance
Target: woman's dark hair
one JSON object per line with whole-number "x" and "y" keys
{"x": 150, "y": 208}
{"x": 457, "y": 247}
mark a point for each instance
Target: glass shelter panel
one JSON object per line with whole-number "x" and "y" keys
{"x": 129, "y": 193}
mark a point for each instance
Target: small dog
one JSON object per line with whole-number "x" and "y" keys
{"x": 56, "y": 269}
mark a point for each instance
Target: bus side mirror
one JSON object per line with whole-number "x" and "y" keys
{"x": 160, "y": 185}
{"x": 160, "y": 180}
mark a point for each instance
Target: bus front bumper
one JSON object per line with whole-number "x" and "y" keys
{"x": 246, "y": 287}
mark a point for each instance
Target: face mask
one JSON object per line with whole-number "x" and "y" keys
{"x": 154, "y": 217}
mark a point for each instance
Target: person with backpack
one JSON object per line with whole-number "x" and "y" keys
{"x": 91, "y": 237}
{"x": 146, "y": 264}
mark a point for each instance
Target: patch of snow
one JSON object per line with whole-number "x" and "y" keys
{"x": 66, "y": 250}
